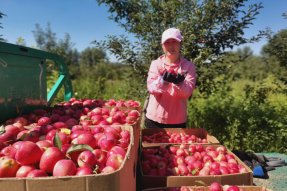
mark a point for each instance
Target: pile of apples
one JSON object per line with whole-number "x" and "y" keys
{"x": 82, "y": 102}
{"x": 213, "y": 187}
{"x": 53, "y": 150}
{"x": 121, "y": 103}
{"x": 102, "y": 116}
{"x": 192, "y": 160}
{"x": 169, "y": 137}
{"x": 71, "y": 116}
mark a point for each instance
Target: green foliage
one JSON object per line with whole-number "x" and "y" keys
{"x": 1, "y": 16}
{"x": 46, "y": 40}
{"x": 208, "y": 27}
{"x": 277, "y": 47}
{"x": 91, "y": 56}
{"x": 254, "y": 120}
{"x": 21, "y": 41}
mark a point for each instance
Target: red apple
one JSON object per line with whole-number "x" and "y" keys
{"x": 115, "y": 161}
{"x": 215, "y": 187}
{"x": 12, "y": 129}
{"x": 60, "y": 125}
{"x": 86, "y": 170}
{"x": 87, "y": 158}
{"x": 7, "y": 138}
{"x": 44, "y": 120}
{"x": 37, "y": 173}
{"x": 9, "y": 151}
{"x": 8, "y": 167}
{"x": 28, "y": 153}
{"x": 24, "y": 170}
{"x": 108, "y": 169}
{"x": 49, "y": 158}
{"x": 21, "y": 120}
{"x": 88, "y": 139}
{"x": 64, "y": 167}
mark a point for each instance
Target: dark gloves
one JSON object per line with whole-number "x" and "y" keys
{"x": 167, "y": 77}
{"x": 179, "y": 79}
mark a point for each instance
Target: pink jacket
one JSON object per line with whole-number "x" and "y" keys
{"x": 167, "y": 103}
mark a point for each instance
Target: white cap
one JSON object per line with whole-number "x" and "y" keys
{"x": 171, "y": 33}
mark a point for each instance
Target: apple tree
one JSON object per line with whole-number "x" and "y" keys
{"x": 208, "y": 27}
{"x": 1, "y": 16}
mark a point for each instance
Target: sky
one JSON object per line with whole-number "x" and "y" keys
{"x": 85, "y": 21}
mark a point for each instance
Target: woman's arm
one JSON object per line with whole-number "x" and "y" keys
{"x": 185, "y": 90}
{"x": 155, "y": 85}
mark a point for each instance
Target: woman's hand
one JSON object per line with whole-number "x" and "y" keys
{"x": 168, "y": 77}
{"x": 178, "y": 80}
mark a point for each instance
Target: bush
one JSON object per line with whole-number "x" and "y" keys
{"x": 243, "y": 124}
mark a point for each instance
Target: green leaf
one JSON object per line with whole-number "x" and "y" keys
{"x": 200, "y": 182}
{"x": 193, "y": 171}
{"x": 57, "y": 141}
{"x": 79, "y": 147}
{"x": 22, "y": 137}
{"x": 2, "y": 129}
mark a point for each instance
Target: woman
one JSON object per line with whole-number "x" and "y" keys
{"x": 171, "y": 80}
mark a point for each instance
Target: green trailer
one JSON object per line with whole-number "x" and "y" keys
{"x": 23, "y": 83}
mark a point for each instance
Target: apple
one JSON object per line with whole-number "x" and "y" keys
{"x": 175, "y": 171}
{"x": 65, "y": 139}
{"x": 215, "y": 187}
{"x": 182, "y": 169}
{"x": 86, "y": 122}
{"x": 84, "y": 171}
{"x": 12, "y": 129}
{"x": 130, "y": 120}
{"x": 21, "y": 120}
{"x": 116, "y": 150}
{"x": 224, "y": 170}
{"x": 20, "y": 126}
{"x": 9, "y": 151}
{"x": 71, "y": 122}
{"x": 134, "y": 113}
{"x": 161, "y": 172}
{"x": 55, "y": 117}
{"x": 215, "y": 171}
{"x": 44, "y": 129}
{"x": 7, "y": 138}
{"x": 60, "y": 125}
{"x": 37, "y": 173}
{"x": 88, "y": 139}
{"x": 44, "y": 145}
{"x": 8, "y": 167}
{"x": 205, "y": 171}
{"x": 115, "y": 161}
{"x": 101, "y": 156}
{"x": 232, "y": 161}
{"x": 64, "y": 167}
{"x": 87, "y": 158}
{"x": 28, "y": 153}
{"x": 233, "y": 188}
{"x": 49, "y": 158}
{"x": 146, "y": 169}
{"x": 44, "y": 120}
{"x": 24, "y": 170}
{"x": 106, "y": 143}
{"x": 64, "y": 118}
{"x": 107, "y": 169}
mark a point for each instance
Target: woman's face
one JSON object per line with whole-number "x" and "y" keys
{"x": 171, "y": 47}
